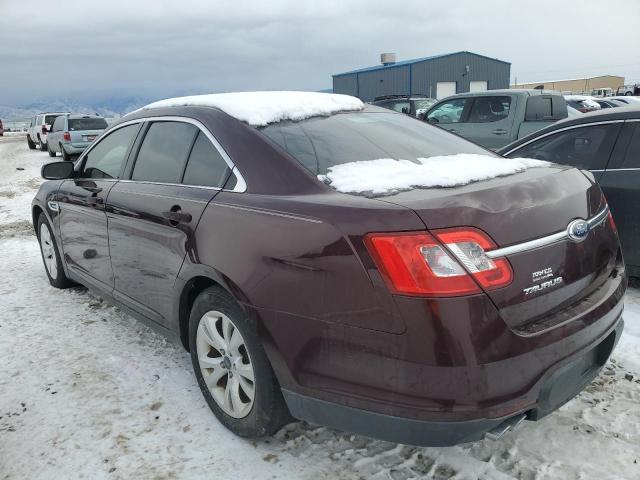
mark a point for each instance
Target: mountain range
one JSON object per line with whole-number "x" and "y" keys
{"x": 112, "y": 107}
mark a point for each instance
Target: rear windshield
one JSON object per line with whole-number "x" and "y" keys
{"x": 49, "y": 119}
{"x": 321, "y": 142}
{"x": 87, "y": 124}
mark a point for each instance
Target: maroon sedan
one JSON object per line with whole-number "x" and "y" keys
{"x": 418, "y": 314}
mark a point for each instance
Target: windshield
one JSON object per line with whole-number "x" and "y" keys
{"x": 87, "y": 124}
{"x": 321, "y": 142}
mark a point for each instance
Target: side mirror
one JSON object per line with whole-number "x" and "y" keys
{"x": 57, "y": 170}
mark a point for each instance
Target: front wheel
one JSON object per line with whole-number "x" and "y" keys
{"x": 51, "y": 255}
{"x": 51, "y": 152}
{"x": 232, "y": 368}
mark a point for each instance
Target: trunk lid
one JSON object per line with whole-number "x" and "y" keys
{"x": 524, "y": 207}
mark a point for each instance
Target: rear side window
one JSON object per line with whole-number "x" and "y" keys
{"x": 58, "y": 124}
{"x": 584, "y": 147}
{"x": 489, "y": 109}
{"x": 632, "y": 157}
{"x": 105, "y": 160}
{"x": 164, "y": 152}
{"x": 545, "y": 108}
{"x": 76, "y": 124}
{"x": 206, "y": 166}
{"x": 448, "y": 112}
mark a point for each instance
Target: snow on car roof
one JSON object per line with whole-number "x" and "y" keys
{"x": 386, "y": 176}
{"x": 262, "y": 108}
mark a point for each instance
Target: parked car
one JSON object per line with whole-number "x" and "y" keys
{"x": 1, "y": 129}
{"x": 608, "y": 144}
{"x": 627, "y": 100}
{"x": 606, "y": 103}
{"x": 71, "y": 134}
{"x": 602, "y": 92}
{"x": 497, "y": 117}
{"x": 340, "y": 309}
{"x": 415, "y": 105}
{"x": 628, "y": 90}
{"x": 39, "y": 129}
{"x": 582, "y": 103}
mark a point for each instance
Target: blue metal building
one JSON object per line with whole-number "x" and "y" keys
{"x": 437, "y": 76}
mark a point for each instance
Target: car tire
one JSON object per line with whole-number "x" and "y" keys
{"x": 51, "y": 152}
{"x": 236, "y": 357}
{"x": 628, "y": 94}
{"x": 43, "y": 146}
{"x": 65, "y": 156}
{"x": 50, "y": 254}
{"x": 32, "y": 145}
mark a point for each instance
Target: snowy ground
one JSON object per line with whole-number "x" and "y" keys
{"x": 88, "y": 392}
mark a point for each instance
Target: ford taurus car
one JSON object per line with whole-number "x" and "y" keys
{"x": 439, "y": 300}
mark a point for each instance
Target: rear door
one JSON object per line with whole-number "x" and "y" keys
{"x": 81, "y": 201}
{"x": 178, "y": 169}
{"x": 490, "y": 121}
{"x": 621, "y": 185}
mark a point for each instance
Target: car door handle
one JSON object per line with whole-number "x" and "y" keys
{"x": 176, "y": 216}
{"x": 499, "y": 131}
{"x": 95, "y": 200}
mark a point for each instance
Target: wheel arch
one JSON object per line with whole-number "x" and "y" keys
{"x": 198, "y": 281}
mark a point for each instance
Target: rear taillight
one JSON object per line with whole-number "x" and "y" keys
{"x": 44, "y": 130}
{"x": 66, "y": 137}
{"x": 612, "y": 223}
{"x": 448, "y": 262}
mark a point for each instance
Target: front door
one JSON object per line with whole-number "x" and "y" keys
{"x": 153, "y": 216}
{"x": 489, "y": 122}
{"x": 82, "y": 200}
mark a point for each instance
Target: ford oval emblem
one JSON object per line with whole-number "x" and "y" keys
{"x": 578, "y": 230}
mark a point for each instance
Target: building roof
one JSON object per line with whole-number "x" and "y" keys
{"x": 569, "y": 79}
{"x": 412, "y": 61}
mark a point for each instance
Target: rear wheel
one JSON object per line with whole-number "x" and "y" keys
{"x": 31, "y": 143}
{"x": 628, "y": 93}
{"x": 43, "y": 146}
{"x": 51, "y": 255}
{"x": 231, "y": 367}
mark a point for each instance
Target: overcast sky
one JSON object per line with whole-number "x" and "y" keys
{"x": 91, "y": 50}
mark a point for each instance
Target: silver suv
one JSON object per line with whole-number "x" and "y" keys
{"x": 71, "y": 134}
{"x": 39, "y": 128}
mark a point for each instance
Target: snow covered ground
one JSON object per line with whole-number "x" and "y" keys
{"x": 88, "y": 392}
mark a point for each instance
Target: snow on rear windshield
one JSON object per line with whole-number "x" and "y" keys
{"x": 386, "y": 176}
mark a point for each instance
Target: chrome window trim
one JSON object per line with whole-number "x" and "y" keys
{"x": 241, "y": 185}
{"x": 557, "y": 237}
{"x": 560, "y": 130}
{"x": 267, "y": 212}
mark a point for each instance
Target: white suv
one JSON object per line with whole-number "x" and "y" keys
{"x": 39, "y": 129}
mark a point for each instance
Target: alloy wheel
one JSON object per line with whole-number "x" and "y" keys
{"x": 225, "y": 364}
{"x": 48, "y": 251}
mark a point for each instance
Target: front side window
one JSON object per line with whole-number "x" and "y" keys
{"x": 448, "y": 112}
{"x": 400, "y": 107}
{"x": 489, "y": 109}
{"x": 106, "y": 158}
{"x": 205, "y": 167}
{"x": 164, "y": 152}
{"x": 584, "y": 147}
{"x": 321, "y": 142}
{"x": 632, "y": 157}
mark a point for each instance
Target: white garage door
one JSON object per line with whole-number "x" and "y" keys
{"x": 478, "y": 86}
{"x": 445, "y": 89}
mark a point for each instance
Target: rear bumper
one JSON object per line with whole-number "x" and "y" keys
{"x": 560, "y": 385}
{"x": 75, "y": 148}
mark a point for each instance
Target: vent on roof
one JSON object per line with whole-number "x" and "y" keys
{"x": 387, "y": 58}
